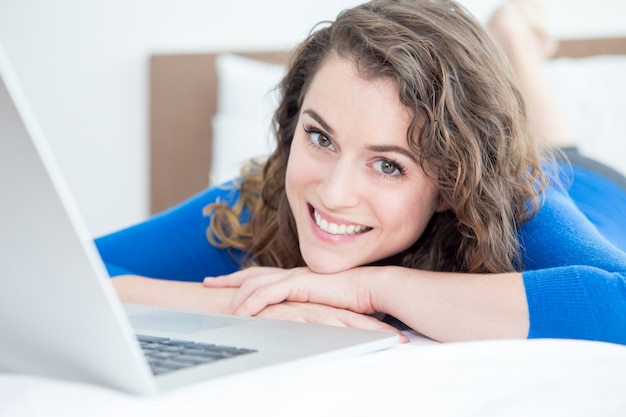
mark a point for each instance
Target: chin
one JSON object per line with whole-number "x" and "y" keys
{"x": 330, "y": 267}
{"x": 325, "y": 269}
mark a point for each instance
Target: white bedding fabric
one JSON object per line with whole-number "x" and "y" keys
{"x": 246, "y": 101}
{"x": 494, "y": 378}
{"x": 593, "y": 92}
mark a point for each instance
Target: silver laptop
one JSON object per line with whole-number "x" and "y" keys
{"x": 59, "y": 314}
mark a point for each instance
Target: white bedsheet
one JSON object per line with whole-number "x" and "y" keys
{"x": 494, "y": 378}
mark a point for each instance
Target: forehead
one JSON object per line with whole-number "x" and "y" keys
{"x": 338, "y": 84}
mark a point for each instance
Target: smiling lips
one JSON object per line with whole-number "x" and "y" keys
{"x": 338, "y": 229}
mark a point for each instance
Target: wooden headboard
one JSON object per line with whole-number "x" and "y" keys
{"x": 183, "y": 100}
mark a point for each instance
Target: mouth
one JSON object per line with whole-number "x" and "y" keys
{"x": 337, "y": 228}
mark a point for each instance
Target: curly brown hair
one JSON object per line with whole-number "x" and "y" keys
{"x": 469, "y": 125}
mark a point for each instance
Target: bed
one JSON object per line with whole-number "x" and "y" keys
{"x": 486, "y": 378}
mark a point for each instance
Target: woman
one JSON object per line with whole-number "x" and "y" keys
{"x": 406, "y": 183}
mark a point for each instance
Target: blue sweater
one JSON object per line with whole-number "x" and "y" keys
{"x": 574, "y": 255}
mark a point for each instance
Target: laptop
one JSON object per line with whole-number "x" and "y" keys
{"x": 60, "y": 316}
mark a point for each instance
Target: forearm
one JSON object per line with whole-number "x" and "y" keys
{"x": 453, "y": 306}
{"x": 174, "y": 294}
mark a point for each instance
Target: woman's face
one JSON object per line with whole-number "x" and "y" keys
{"x": 356, "y": 191}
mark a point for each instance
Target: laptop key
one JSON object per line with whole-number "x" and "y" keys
{"x": 151, "y": 339}
{"x": 166, "y": 355}
{"x": 176, "y": 342}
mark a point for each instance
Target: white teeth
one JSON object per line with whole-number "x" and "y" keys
{"x": 338, "y": 229}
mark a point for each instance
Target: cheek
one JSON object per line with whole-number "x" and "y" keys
{"x": 301, "y": 168}
{"x": 296, "y": 173}
{"x": 419, "y": 209}
{"x": 290, "y": 174}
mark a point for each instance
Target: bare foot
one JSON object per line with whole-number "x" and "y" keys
{"x": 518, "y": 25}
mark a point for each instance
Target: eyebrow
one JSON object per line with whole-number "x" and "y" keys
{"x": 392, "y": 148}
{"x": 314, "y": 115}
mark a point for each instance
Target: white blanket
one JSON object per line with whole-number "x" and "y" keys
{"x": 492, "y": 378}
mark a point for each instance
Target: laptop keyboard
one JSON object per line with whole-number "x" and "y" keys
{"x": 166, "y": 355}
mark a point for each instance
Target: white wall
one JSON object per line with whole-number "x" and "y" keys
{"x": 83, "y": 65}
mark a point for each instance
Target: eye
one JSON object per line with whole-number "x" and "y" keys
{"x": 388, "y": 167}
{"x": 319, "y": 139}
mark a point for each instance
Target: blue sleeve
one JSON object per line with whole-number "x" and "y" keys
{"x": 577, "y": 302}
{"x": 173, "y": 244}
{"x": 575, "y": 262}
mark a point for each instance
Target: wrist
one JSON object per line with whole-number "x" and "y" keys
{"x": 379, "y": 280}
{"x": 173, "y": 294}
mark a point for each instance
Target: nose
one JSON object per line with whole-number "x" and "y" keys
{"x": 339, "y": 186}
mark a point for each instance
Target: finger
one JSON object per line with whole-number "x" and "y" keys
{"x": 223, "y": 281}
{"x": 282, "y": 312}
{"x": 255, "y": 296}
{"x": 236, "y": 279}
{"x": 367, "y": 322}
{"x": 256, "y": 287}
{"x": 345, "y": 318}
{"x": 251, "y": 299}
{"x": 297, "y": 285}
{"x": 329, "y": 320}
{"x": 323, "y": 314}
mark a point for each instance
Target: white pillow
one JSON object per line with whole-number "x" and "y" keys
{"x": 247, "y": 99}
{"x": 236, "y": 140}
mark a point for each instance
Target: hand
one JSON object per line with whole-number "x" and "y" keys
{"x": 260, "y": 287}
{"x": 322, "y": 314}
